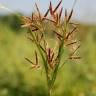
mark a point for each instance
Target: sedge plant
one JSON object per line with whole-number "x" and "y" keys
{"x": 63, "y": 33}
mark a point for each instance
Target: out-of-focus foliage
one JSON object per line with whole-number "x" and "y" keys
{"x": 12, "y": 21}
{"x": 16, "y": 77}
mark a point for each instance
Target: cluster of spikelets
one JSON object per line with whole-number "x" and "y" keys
{"x": 65, "y": 36}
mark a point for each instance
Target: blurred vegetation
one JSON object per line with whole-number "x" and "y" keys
{"x": 76, "y": 78}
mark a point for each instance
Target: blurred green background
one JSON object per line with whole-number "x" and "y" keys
{"x": 17, "y": 79}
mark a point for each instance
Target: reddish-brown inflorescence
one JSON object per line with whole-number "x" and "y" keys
{"x": 62, "y": 29}
{"x": 34, "y": 23}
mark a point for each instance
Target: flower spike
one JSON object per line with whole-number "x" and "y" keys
{"x": 57, "y": 6}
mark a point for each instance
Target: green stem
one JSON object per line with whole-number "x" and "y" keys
{"x": 49, "y": 92}
{"x": 45, "y": 65}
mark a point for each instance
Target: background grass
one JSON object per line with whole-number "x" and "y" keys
{"x": 76, "y": 78}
